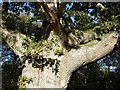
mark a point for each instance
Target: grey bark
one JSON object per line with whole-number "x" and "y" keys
{"x": 69, "y": 62}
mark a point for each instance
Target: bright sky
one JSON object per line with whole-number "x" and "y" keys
{"x": 1, "y": 1}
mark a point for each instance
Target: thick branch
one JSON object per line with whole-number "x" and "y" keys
{"x": 55, "y": 22}
{"x": 14, "y": 41}
{"x": 50, "y": 12}
{"x": 86, "y": 54}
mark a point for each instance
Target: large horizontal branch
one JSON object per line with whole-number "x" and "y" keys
{"x": 86, "y": 54}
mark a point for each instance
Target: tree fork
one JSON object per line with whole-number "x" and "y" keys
{"x": 68, "y": 63}
{"x": 55, "y": 22}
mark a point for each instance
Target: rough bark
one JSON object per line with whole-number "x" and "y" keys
{"x": 86, "y": 54}
{"x": 69, "y": 62}
{"x": 15, "y": 43}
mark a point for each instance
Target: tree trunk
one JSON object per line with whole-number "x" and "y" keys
{"x": 69, "y": 62}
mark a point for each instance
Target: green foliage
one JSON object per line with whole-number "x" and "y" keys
{"x": 59, "y": 51}
{"x": 32, "y": 50}
{"x": 83, "y": 21}
{"x": 38, "y": 61}
{"x": 10, "y": 74}
{"x": 11, "y": 40}
{"x": 107, "y": 27}
{"x": 31, "y": 47}
{"x": 23, "y": 80}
